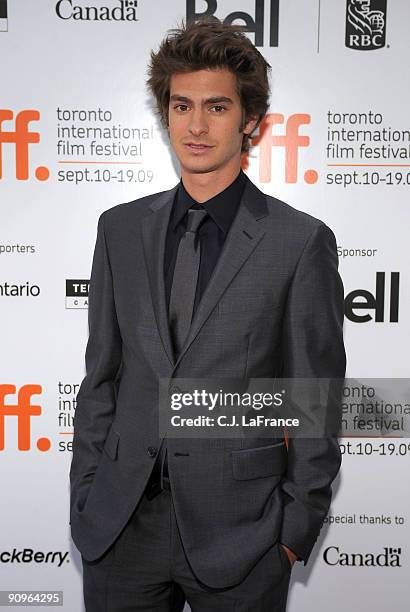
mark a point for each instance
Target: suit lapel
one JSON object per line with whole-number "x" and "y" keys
{"x": 243, "y": 236}
{"x": 154, "y": 230}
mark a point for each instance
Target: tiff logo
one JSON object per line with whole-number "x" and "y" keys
{"x": 3, "y": 16}
{"x": 21, "y": 137}
{"x": 291, "y": 141}
{"x": 23, "y": 411}
{"x": 254, "y": 24}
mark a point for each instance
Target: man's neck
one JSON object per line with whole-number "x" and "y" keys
{"x": 204, "y": 186}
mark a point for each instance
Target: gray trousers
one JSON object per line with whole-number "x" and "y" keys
{"x": 146, "y": 569}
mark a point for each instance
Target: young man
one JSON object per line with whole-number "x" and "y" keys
{"x": 209, "y": 279}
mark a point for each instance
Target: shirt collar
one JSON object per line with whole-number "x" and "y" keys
{"x": 222, "y": 207}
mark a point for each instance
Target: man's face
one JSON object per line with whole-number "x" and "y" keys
{"x": 205, "y": 117}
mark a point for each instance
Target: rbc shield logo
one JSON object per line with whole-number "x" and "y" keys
{"x": 365, "y": 24}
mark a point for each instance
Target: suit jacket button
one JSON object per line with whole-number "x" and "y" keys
{"x": 152, "y": 451}
{"x": 174, "y": 389}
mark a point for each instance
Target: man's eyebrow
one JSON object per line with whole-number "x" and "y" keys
{"x": 213, "y": 100}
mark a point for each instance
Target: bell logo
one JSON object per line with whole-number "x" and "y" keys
{"x": 21, "y": 137}
{"x": 291, "y": 140}
{"x": 253, "y": 23}
{"x": 368, "y": 301}
{"x": 23, "y": 410}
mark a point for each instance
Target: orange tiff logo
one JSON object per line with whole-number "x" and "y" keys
{"x": 21, "y": 137}
{"x": 23, "y": 411}
{"x": 291, "y": 140}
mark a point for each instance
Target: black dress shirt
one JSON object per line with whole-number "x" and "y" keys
{"x": 212, "y": 232}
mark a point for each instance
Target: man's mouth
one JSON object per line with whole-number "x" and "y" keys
{"x": 197, "y": 147}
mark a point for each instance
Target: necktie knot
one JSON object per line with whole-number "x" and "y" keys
{"x": 195, "y": 218}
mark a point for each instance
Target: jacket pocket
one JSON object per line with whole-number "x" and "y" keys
{"x": 111, "y": 444}
{"x": 259, "y": 462}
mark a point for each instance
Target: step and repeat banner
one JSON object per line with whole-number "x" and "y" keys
{"x": 79, "y": 134}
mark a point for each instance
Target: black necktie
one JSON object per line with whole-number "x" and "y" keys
{"x": 182, "y": 298}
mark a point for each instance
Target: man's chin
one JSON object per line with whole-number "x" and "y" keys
{"x": 199, "y": 166}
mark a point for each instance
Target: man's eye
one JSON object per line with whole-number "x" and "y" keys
{"x": 181, "y": 107}
{"x": 218, "y": 108}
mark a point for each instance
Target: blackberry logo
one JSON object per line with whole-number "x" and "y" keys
{"x": 29, "y": 555}
{"x": 365, "y": 24}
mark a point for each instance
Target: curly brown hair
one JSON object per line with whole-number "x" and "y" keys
{"x": 210, "y": 44}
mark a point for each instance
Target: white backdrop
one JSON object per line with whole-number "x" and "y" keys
{"x": 64, "y": 74}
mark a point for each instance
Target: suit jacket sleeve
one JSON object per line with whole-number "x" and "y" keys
{"x": 312, "y": 347}
{"x": 96, "y": 397}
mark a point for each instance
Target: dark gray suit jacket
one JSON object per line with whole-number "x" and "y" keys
{"x": 273, "y": 307}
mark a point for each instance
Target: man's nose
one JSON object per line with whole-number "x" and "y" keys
{"x": 198, "y": 124}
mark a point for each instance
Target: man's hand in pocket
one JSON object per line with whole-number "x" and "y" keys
{"x": 291, "y": 555}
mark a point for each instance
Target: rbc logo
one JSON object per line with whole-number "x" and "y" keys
{"x": 21, "y": 137}
{"x": 365, "y": 24}
{"x": 253, "y": 24}
{"x": 23, "y": 410}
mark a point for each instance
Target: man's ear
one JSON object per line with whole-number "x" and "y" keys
{"x": 250, "y": 124}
